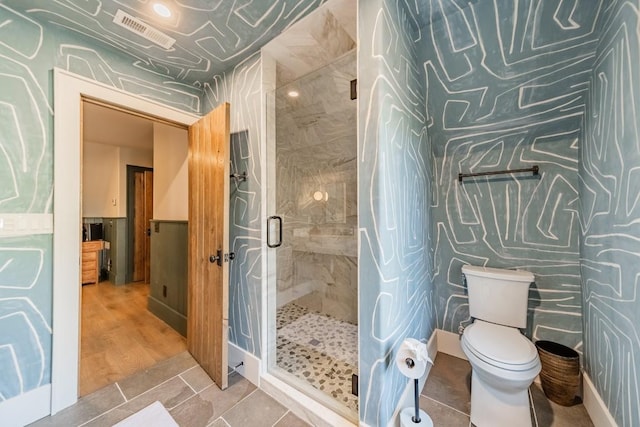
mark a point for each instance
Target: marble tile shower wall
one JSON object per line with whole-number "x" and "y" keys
{"x": 28, "y": 52}
{"x": 394, "y": 174}
{"x": 242, "y": 88}
{"x": 506, "y": 88}
{"x": 610, "y": 223}
{"x": 316, "y": 159}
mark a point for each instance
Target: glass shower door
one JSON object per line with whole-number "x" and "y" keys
{"x": 312, "y": 237}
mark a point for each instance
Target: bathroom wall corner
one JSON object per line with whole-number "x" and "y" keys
{"x": 394, "y": 185}
{"x": 449, "y": 343}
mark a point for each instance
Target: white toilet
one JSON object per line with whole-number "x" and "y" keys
{"x": 504, "y": 362}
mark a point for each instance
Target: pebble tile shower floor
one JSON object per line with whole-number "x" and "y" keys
{"x": 318, "y": 349}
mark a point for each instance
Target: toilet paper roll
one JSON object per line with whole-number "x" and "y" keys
{"x": 415, "y": 351}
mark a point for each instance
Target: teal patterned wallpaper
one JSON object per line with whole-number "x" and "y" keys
{"x": 28, "y": 52}
{"x": 610, "y": 224}
{"x": 212, "y": 36}
{"x": 506, "y": 89}
{"x": 25, "y": 313}
{"x": 394, "y": 174}
{"x": 444, "y": 87}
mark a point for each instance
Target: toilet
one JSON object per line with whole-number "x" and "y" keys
{"x": 504, "y": 362}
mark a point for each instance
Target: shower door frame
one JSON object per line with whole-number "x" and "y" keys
{"x": 273, "y": 378}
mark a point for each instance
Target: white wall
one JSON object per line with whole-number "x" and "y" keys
{"x": 134, "y": 157}
{"x": 104, "y": 175}
{"x": 100, "y": 180}
{"x": 170, "y": 177}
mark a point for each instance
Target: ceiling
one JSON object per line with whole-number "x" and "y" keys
{"x": 211, "y": 35}
{"x": 315, "y": 41}
{"x": 112, "y": 127}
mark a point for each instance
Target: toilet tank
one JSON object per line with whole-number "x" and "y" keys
{"x": 498, "y": 295}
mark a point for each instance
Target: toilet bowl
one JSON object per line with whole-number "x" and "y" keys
{"x": 504, "y": 364}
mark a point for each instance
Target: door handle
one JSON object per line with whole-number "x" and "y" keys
{"x": 269, "y": 221}
{"x": 216, "y": 258}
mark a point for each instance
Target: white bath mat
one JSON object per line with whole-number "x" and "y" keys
{"x": 153, "y": 415}
{"x": 324, "y": 334}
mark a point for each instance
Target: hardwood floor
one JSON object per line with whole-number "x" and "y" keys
{"x": 120, "y": 336}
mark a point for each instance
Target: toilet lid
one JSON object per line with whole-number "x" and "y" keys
{"x": 500, "y": 345}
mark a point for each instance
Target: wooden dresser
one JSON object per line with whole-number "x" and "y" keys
{"x": 90, "y": 264}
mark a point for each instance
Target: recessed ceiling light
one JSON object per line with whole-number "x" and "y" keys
{"x": 293, "y": 93}
{"x": 162, "y": 10}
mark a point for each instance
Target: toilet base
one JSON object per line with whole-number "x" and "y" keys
{"x": 491, "y": 407}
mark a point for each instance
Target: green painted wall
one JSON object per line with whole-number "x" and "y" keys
{"x": 115, "y": 232}
{"x": 169, "y": 262}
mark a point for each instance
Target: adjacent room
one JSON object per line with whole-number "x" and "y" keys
{"x": 133, "y": 280}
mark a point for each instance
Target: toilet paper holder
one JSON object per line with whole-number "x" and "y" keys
{"x": 409, "y": 351}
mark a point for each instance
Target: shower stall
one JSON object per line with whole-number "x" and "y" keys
{"x": 312, "y": 234}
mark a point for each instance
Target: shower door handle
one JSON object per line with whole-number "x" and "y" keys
{"x": 269, "y": 222}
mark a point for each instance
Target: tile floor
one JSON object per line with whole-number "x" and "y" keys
{"x": 186, "y": 391}
{"x": 193, "y": 400}
{"x": 446, "y": 398}
{"x": 319, "y": 350}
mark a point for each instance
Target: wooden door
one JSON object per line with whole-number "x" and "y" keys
{"x": 142, "y": 214}
{"x": 208, "y": 308}
{"x": 148, "y": 216}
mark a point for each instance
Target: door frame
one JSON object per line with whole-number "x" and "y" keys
{"x": 69, "y": 89}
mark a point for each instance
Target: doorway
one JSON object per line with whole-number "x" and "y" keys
{"x": 139, "y": 216}
{"x": 120, "y": 334}
{"x": 70, "y": 90}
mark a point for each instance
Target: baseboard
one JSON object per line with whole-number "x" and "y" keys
{"x": 449, "y": 343}
{"x": 117, "y": 278}
{"x": 168, "y": 315}
{"x": 26, "y": 408}
{"x": 594, "y": 404}
{"x": 250, "y": 368}
{"x": 303, "y": 406}
{"x": 406, "y": 400}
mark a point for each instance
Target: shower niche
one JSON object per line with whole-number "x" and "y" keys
{"x": 312, "y": 187}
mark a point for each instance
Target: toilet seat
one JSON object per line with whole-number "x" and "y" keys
{"x": 500, "y": 346}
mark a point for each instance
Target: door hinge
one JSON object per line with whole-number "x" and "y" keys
{"x": 354, "y": 89}
{"x": 354, "y": 384}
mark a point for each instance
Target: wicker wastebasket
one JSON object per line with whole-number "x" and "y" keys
{"x": 560, "y": 375}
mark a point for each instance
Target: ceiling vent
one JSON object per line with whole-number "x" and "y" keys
{"x": 137, "y": 26}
